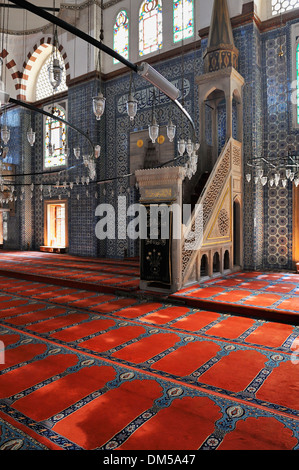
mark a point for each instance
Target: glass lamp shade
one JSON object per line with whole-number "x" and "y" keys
{"x": 5, "y": 134}
{"x": 55, "y": 73}
{"x": 131, "y": 107}
{"x": 264, "y": 180}
{"x": 153, "y": 130}
{"x": 256, "y": 179}
{"x": 98, "y": 103}
{"x": 189, "y": 147}
{"x": 181, "y": 147}
{"x": 292, "y": 176}
{"x": 248, "y": 177}
{"x": 77, "y": 152}
{"x": 171, "y": 128}
{"x": 284, "y": 183}
{"x": 97, "y": 151}
{"x": 31, "y": 137}
{"x": 288, "y": 173}
{"x": 194, "y": 158}
{"x": 296, "y": 182}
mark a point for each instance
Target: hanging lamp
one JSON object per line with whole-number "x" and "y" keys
{"x": 131, "y": 104}
{"x": 5, "y": 134}
{"x": 99, "y": 101}
{"x": 153, "y": 128}
{"x": 55, "y": 70}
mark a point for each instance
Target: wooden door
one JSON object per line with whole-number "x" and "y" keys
{"x": 296, "y": 225}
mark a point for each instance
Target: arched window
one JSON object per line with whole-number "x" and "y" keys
{"x": 43, "y": 85}
{"x": 150, "y": 26}
{"x": 279, "y": 6}
{"x": 121, "y": 35}
{"x": 183, "y": 19}
{"x": 55, "y": 148}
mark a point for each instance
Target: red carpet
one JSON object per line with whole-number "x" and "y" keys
{"x": 270, "y": 296}
{"x": 86, "y": 370}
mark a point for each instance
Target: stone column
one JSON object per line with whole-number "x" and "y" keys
{"x": 229, "y": 115}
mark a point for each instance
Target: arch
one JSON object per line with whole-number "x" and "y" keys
{"x": 237, "y": 232}
{"x": 216, "y": 263}
{"x": 296, "y": 226}
{"x": 36, "y": 59}
{"x": 150, "y": 26}
{"x": 204, "y": 266}
{"x": 13, "y": 77}
{"x": 226, "y": 260}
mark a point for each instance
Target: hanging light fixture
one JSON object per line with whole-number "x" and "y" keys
{"x": 171, "y": 129}
{"x": 55, "y": 70}
{"x": 5, "y": 134}
{"x": 131, "y": 103}
{"x": 31, "y": 137}
{"x": 77, "y": 152}
{"x": 153, "y": 128}
{"x": 283, "y": 170}
{"x": 97, "y": 151}
{"x": 99, "y": 101}
{"x": 189, "y": 147}
{"x": 55, "y": 73}
{"x": 181, "y": 147}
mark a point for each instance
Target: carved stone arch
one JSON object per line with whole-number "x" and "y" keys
{"x": 31, "y": 68}
{"x": 226, "y": 260}
{"x": 216, "y": 262}
{"x": 12, "y": 76}
{"x": 204, "y": 265}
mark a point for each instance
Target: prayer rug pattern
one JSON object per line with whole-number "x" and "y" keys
{"x": 96, "y": 371}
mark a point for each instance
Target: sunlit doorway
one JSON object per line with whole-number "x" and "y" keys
{"x": 56, "y": 224}
{"x": 296, "y": 226}
{"x": 1, "y": 230}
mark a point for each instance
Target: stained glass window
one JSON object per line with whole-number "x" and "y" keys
{"x": 121, "y": 35}
{"x": 55, "y": 139}
{"x": 281, "y": 6}
{"x": 150, "y": 26}
{"x": 43, "y": 85}
{"x": 183, "y": 19}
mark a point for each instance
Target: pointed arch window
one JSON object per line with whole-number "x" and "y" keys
{"x": 150, "y": 26}
{"x": 55, "y": 148}
{"x": 43, "y": 86}
{"x": 121, "y": 35}
{"x": 183, "y": 19}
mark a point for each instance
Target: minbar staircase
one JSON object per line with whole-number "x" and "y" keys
{"x": 208, "y": 238}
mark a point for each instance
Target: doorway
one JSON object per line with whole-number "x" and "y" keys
{"x": 237, "y": 233}
{"x": 296, "y": 225}
{"x": 56, "y": 225}
{"x": 1, "y": 230}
